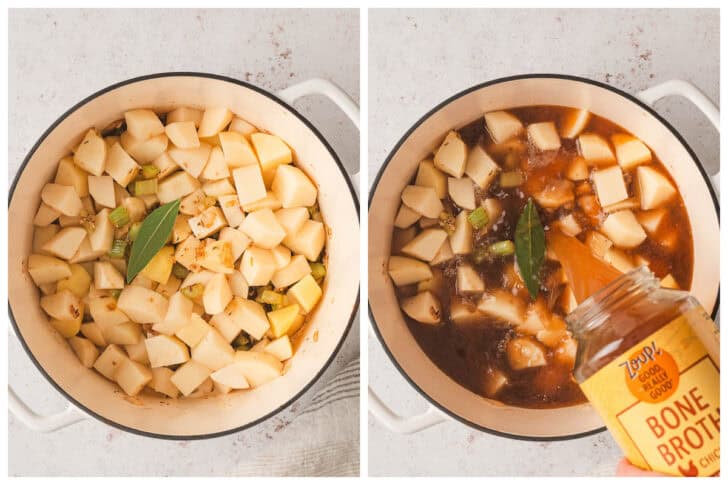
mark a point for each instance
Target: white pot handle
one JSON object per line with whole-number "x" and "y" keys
{"x": 37, "y": 422}
{"x": 331, "y": 91}
{"x": 677, "y": 87}
{"x": 402, "y": 424}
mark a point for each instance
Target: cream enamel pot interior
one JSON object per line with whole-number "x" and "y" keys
{"x": 448, "y": 398}
{"x": 205, "y": 417}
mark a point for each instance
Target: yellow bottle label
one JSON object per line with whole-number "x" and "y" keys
{"x": 661, "y": 400}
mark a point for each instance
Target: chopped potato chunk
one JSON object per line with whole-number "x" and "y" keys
{"x": 574, "y": 122}
{"x": 452, "y": 155}
{"x": 623, "y": 229}
{"x": 423, "y": 307}
{"x": 654, "y": 188}
{"x": 525, "y": 353}
{"x": 631, "y": 152}
{"x": 502, "y": 125}
{"x": 595, "y": 149}
{"x": 609, "y": 185}
{"x": 426, "y": 244}
{"x": 544, "y": 136}
{"x": 405, "y": 271}
{"x": 430, "y": 176}
{"x": 462, "y": 192}
{"x": 503, "y": 306}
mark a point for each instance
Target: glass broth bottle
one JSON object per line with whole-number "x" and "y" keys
{"x": 648, "y": 361}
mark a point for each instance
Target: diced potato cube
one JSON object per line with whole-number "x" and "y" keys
{"x": 210, "y": 221}
{"x": 106, "y": 277}
{"x": 293, "y": 187}
{"x": 556, "y": 194}
{"x": 306, "y": 293}
{"x": 102, "y": 190}
{"x": 213, "y": 351}
{"x": 443, "y": 254}
{"x": 159, "y": 268}
{"x": 292, "y": 219}
{"x": 138, "y": 352}
{"x": 424, "y": 307}
{"x": 63, "y": 305}
{"x": 565, "y": 353}
{"x": 165, "y": 164}
{"x": 569, "y": 225}
{"x": 176, "y": 186}
{"x": 216, "y": 256}
{"x": 191, "y": 160}
{"x": 495, "y": 380}
{"x": 503, "y": 305}
{"x": 544, "y": 136}
{"x": 577, "y": 170}
{"x": 280, "y": 348}
{"x": 122, "y": 168}
{"x": 422, "y": 200}
{"x": 469, "y": 281}
{"x": 186, "y": 253}
{"x": 231, "y": 209}
{"x": 238, "y": 285}
{"x": 70, "y": 174}
{"x": 452, "y": 155}
{"x": 126, "y": 333}
{"x": 626, "y": 204}
{"x": 92, "y": 331}
{"x": 651, "y": 219}
{"x": 161, "y": 382}
{"x": 184, "y": 113}
{"x": 143, "y": 123}
{"x": 62, "y": 199}
{"x": 406, "y": 271}
{"x": 309, "y": 240}
{"x": 47, "y": 269}
{"x": 464, "y": 313}
{"x": 296, "y": 269}
{"x": 249, "y": 184}
{"x": 142, "y": 305}
{"x": 143, "y": 151}
{"x": 258, "y": 367}
{"x": 462, "y": 192}
{"x": 257, "y": 265}
{"x": 65, "y": 243}
{"x": 217, "y": 294}
{"x": 623, "y": 229}
{"x": 230, "y": 377}
{"x": 102, "y": 237}
{"x": 502, "y": 125}
{"x": 653, "y": 187}
{"x": 181, "y": 229}
{"x": 193, "y": 331}
{"x": 45, "y": 215}
{"x": 429, "y": 176}
{"x": 194, "y": 203}
{"x": 109, "y": 361}
{"x": 105, "y": 312}
{"x": 241, "y": 126}
{"x": 609, "y": 185}
{"x": 525, "y": 353}
{"x": 189, "y": 376}
{"x": 405, "y": 217}
{"x": 282, "y": 255}
{"x": 494, "y": 209}
{"x": 90, "y": 154}
{"x": 183, "y": 134}
{"x": 213, "y": 121}
{"x": 179, "y": 313}
{"x": 480, "y": 167}
{"x": 270, "y": 201}
{"x": 573, "y": 122}
{"x": 619, "y": 259}
{"x": 68, "y": 328}
{"x": 426, "y": 244}
{"x": 216, "y": 167}
{"x": 263, "y": 228}
{"x": 239, "y": 242}
{"x": 595, "y": 149}
{"x": 461, "y": 240}
{"x": 272, "y": 152}
{"x": 282, "y": 320}
{"x": 164, "y": 350}
{"x": 631, "y": 152}
{"x": 85, "y": 350}
{"x": 226, "y": 324}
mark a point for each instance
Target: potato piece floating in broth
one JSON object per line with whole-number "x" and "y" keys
{"x": 502, "y": 126}
{"x": 429, "y": 176}
{"x": 525, "y": 353}
{"x": 405, "y": 217}
{"x": 623, "y": 229}
{"x": 574, "y": 122}
{"x": 462, "y": 192}
{"x": 609, "y": 185}
{"x": 452, "y": 155}
{"x": 480, "y": 167}
{"x": 426, "y": 244}
{"x": 654, "y": 188}
{"x": 631, "y": 152}
{"x": 423, "y": 307}
{"x": 544, "y": 136}
{"x": 595, "y": 149}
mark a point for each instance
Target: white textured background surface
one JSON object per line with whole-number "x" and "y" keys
{"x": 57, "y": 58}
{"x": 419, "y": 58}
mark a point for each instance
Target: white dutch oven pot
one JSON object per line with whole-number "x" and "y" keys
{"x": 88, "y": 392}
{"x": 446, "y": 397}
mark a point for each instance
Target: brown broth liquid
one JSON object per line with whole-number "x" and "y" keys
{"x": 467, "y": 352}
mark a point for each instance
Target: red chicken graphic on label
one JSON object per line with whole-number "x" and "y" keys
{"x": 691, "y": 471}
